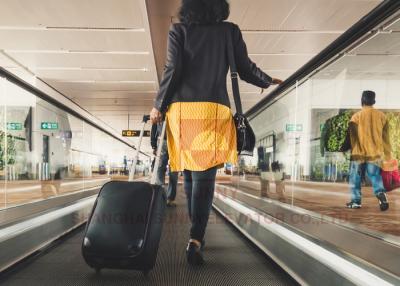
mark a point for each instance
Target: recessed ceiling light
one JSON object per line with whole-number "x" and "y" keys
{"x": 88, "y": 68}
{"x": 144, "y": 53}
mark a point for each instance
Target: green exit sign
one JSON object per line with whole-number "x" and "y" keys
{"x": 49, "y": 125}
{"x": 294, "y": 127}
{"x": 14, "y": 126}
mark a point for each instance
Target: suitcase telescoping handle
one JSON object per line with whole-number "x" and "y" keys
{"x": 135, "y": 159}
{"x": 146, "y": 118}
{"x": 158, "y": 154}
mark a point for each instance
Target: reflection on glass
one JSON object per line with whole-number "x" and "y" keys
{"x": 298, "y": 159}
{"x": 46, "y": 152}
{"x": 2, "y": 146}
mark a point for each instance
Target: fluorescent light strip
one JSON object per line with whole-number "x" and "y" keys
{"x": 282, "y": 54}
{"x": 94, "y": 91}
{"x": 338, "y": 264}
{"x": 144, "y": 53}
{"x": 90, "y": 29}
{"x": 16, "y": 229}
{"x": 103, "y": 81}
{"x": 292, "y": 32}
{"x": 127, "y": 92}
{"x": 88, "y": 69}
{"x": 272, "y": 70}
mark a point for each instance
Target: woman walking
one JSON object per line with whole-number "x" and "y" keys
{"x": 193, "y": 94}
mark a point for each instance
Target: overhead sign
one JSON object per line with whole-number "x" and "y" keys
{"x": 49, "y": 125}
{"x": 135, "y": 133}
{"x": 294, "y": 127}
{"x": 14, "y": 126}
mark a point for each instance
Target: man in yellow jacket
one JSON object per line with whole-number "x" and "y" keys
{"x": 370, "y": 145}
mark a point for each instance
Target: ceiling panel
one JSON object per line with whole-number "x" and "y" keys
{"x": 281, "y": 61}
{"x": 327, "y": 15}
{"x": 317, "y": 15}
{"x": 6, "y": 62}
{"x": 65, "y": 87}
{"x": 261, "y": 14}
{"x": 367, "y": 63}
{"x": 122, "y": 115}
{"x": 74, "y": 40}
{"x": 133, "y": 101}
{"x": 292, "y": 43}
{"x": 97, "y": 75}
{"x": 384, "y": 43}
{"x": 138, "y": 109}
{"x": 363, "y": 67}
{"x": 98, "y": 95}
{"x": 87, "y": 60}
{"x": 123, "y": 118}
{"x": 71, "y": 13}
{"x": 395, "y": 26}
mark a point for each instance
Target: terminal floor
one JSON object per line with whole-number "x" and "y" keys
{"x": 329, "y": 199}
{"x": 25, "y": 191}
{"x": 230, "y": 260}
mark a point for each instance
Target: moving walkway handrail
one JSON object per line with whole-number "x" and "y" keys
{"x": 380, "y": 13}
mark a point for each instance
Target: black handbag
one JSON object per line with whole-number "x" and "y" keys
{"x": 246, "y": 139}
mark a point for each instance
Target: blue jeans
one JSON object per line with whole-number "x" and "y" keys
{"x": 199, "y": 187}
{"x": 173, "y": 176}
{"x": 357, "y": 171}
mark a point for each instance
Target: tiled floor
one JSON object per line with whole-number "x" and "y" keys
{"x": 330, "y": 198}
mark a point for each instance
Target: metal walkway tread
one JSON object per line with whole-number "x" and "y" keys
{"x": 230, "y": 260}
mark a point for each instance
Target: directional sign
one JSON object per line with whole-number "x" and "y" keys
{"x": 294, "y": 127}
{"x": 14, "y": 126}
{"x": 135, "y": 133}
{"x": 49, "y": 125}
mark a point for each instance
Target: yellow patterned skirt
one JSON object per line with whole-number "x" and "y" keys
{"x": 201, "y": 135}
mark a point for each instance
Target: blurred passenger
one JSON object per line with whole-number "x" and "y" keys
{"x": 172, "y": 176}
{"x": 125, "y": 170}
{"x": 193, "y": 93}
{"x": 370, "y": 146}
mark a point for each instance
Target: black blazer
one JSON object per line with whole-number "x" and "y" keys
{"x": 197, "y": 65}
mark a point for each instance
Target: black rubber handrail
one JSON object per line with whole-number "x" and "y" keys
{"x": 354, "y": 33}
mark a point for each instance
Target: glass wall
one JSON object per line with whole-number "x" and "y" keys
{"x": 298, "y": 159}
{"x": 46, "y": 152}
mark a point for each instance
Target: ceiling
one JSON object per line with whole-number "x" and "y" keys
{"x": 100, "y": 53}
{"x": 375, "y": 59}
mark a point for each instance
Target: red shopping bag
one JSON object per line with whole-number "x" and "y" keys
{"x": 391, "y": 175}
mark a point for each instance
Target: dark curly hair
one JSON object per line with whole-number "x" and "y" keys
{"x": 203, "y": 11}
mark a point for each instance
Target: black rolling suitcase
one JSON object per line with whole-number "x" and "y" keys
{"x": 124, "y": 228}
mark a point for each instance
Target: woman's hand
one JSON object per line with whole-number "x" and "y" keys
{"x": 273, "y": 82}
{"x": 276, "y": 81}
{"x": 155, "y": 116}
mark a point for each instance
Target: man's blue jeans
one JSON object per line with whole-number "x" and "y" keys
{"x": 173, "y": 176}
{"x": 357, "y": 170}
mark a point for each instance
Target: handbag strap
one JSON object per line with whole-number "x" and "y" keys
{"x": 234, "y": 73}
